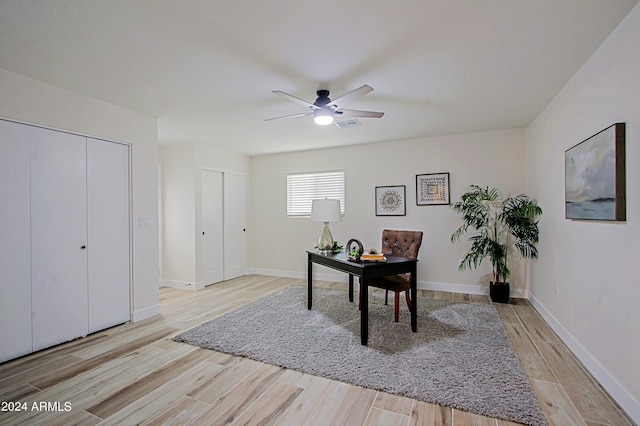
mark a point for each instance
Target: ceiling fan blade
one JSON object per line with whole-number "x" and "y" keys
{"x": 289, "y": 116}
{"x": 294, "y": 99}
{"x": 358, "y": 113}
{"x": 352, "y": 95}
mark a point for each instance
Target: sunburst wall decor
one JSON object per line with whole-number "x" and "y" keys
{"x": 390, "y": 200}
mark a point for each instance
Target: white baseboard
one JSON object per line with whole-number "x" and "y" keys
{"x": 145, "y": 313}
{"x": 183, "y": 285}
{"x": 299, "y": 275}
{"x": 341, "y": 277}
{"x": 482, "y": 290}
{"x": 628, "y": 403}
{"x": 454, "y": 288}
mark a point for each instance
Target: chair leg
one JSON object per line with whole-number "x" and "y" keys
{"x": 386, "y": 297}
{"x": 396, "y": 307}
{"x": 408, "y": 299}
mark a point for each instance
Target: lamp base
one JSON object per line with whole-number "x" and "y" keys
{"x": 325, "y": 242}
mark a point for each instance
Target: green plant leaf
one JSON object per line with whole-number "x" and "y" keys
{"x": 497, "y": 226}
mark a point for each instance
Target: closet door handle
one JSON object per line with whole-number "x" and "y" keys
{"x": 83, "y": 247}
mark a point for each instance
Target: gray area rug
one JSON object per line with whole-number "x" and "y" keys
{"x": 460, "y": 356}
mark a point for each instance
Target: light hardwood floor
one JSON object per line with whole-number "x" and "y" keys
{"x": 135, "y": 374}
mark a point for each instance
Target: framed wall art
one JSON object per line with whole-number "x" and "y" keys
{"x": 390, "y": 200}
{"x": 595, "y": 186}
{"x": 432, "y": 189}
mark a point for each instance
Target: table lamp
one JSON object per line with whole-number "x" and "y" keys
{"x": 325, "y": 210}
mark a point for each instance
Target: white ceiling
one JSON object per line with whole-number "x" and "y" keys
{"x": 206, "y": 68}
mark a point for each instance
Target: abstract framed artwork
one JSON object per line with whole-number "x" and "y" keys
{"x": 390, "y": 200}
{"x": 432, "y": 189}
{"x": 595, "y": 177}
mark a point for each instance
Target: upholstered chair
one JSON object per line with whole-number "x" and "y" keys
{"x": 403, "y": 244}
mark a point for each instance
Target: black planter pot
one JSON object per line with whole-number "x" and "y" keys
{"x": 499, "y": 292}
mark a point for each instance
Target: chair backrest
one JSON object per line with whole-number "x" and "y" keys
{"x": 401, "y": 243}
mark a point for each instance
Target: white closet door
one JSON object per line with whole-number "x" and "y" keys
{"x": 212, "y": 229}
{"x": 235, "y": 224}
{"x": 108, "y": 234}
{"x": 58, "y": 237}
{"x": 15, "y": 263}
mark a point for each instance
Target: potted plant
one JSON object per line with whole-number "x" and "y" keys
{"x": 498, "y": 224}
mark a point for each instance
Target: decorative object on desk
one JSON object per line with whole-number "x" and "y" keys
{"x": 390, "y": 200}
{"x": 325, "y": 210}
{"x": 336, "y": 248}
{"x": 432, "y": 189}
{"x": 499, "y": 224}
{"x": 373, "y": 255}
{"x": 595, "y": 177}
{"x": 354, "y": 250}
{"x": 460, "y": 356}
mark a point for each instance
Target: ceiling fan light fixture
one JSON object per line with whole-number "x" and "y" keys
{"x": 324, "y": 110}
{"x": 323, "y": 118}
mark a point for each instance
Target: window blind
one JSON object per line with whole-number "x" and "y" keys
{"x": 304, "y": 187}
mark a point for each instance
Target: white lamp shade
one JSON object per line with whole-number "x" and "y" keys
{"x": 325, "y": 210}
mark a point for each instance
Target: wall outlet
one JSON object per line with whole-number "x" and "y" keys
{"x": 144, "y": 221}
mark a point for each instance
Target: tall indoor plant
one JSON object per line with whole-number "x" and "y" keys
{"x": 498, "y": 224}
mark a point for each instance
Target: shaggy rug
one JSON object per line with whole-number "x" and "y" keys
{"x": 460, "y": 356}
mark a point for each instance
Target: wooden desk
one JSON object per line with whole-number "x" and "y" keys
{"x": 363, "y": 270}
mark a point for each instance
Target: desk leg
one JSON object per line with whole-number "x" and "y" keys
{"x": 414, "y": 298}
{"x": 309, "y": 281}
{"x": 364, "y": 310}
{"x": 350, "y": 288}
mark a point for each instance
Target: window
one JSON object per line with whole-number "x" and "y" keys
{"x": 304, "y": 187}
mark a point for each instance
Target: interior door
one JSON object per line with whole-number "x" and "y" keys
{"x": 15, "y": 224}
{"x": 212, "y": 227}
{"x": 58, "y": 237}
{"x": 108, "y": 247}
{"x": 235, "y": 225}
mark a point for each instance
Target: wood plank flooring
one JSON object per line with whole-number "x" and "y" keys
{"x": 135, "y": 374}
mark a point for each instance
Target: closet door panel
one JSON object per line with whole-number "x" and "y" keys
{"x": 58, "y": 237}
{"x": 212, "y": 229}
{"x": 108, "y": 247}
{"x": 235, "y": 223}
{"x": 15, "y": 263}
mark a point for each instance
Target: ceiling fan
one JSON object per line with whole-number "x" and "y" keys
{"x": 324, "y": 110}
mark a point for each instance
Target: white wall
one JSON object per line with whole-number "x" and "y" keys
{"x": 182, "y": 165}
{"x": 593, "y": 264}
{"x": 34, "y": 102}
{"x": 178, "y": 214}
{"x": 217, "y": 158}
{"x": 277, "y": 244}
